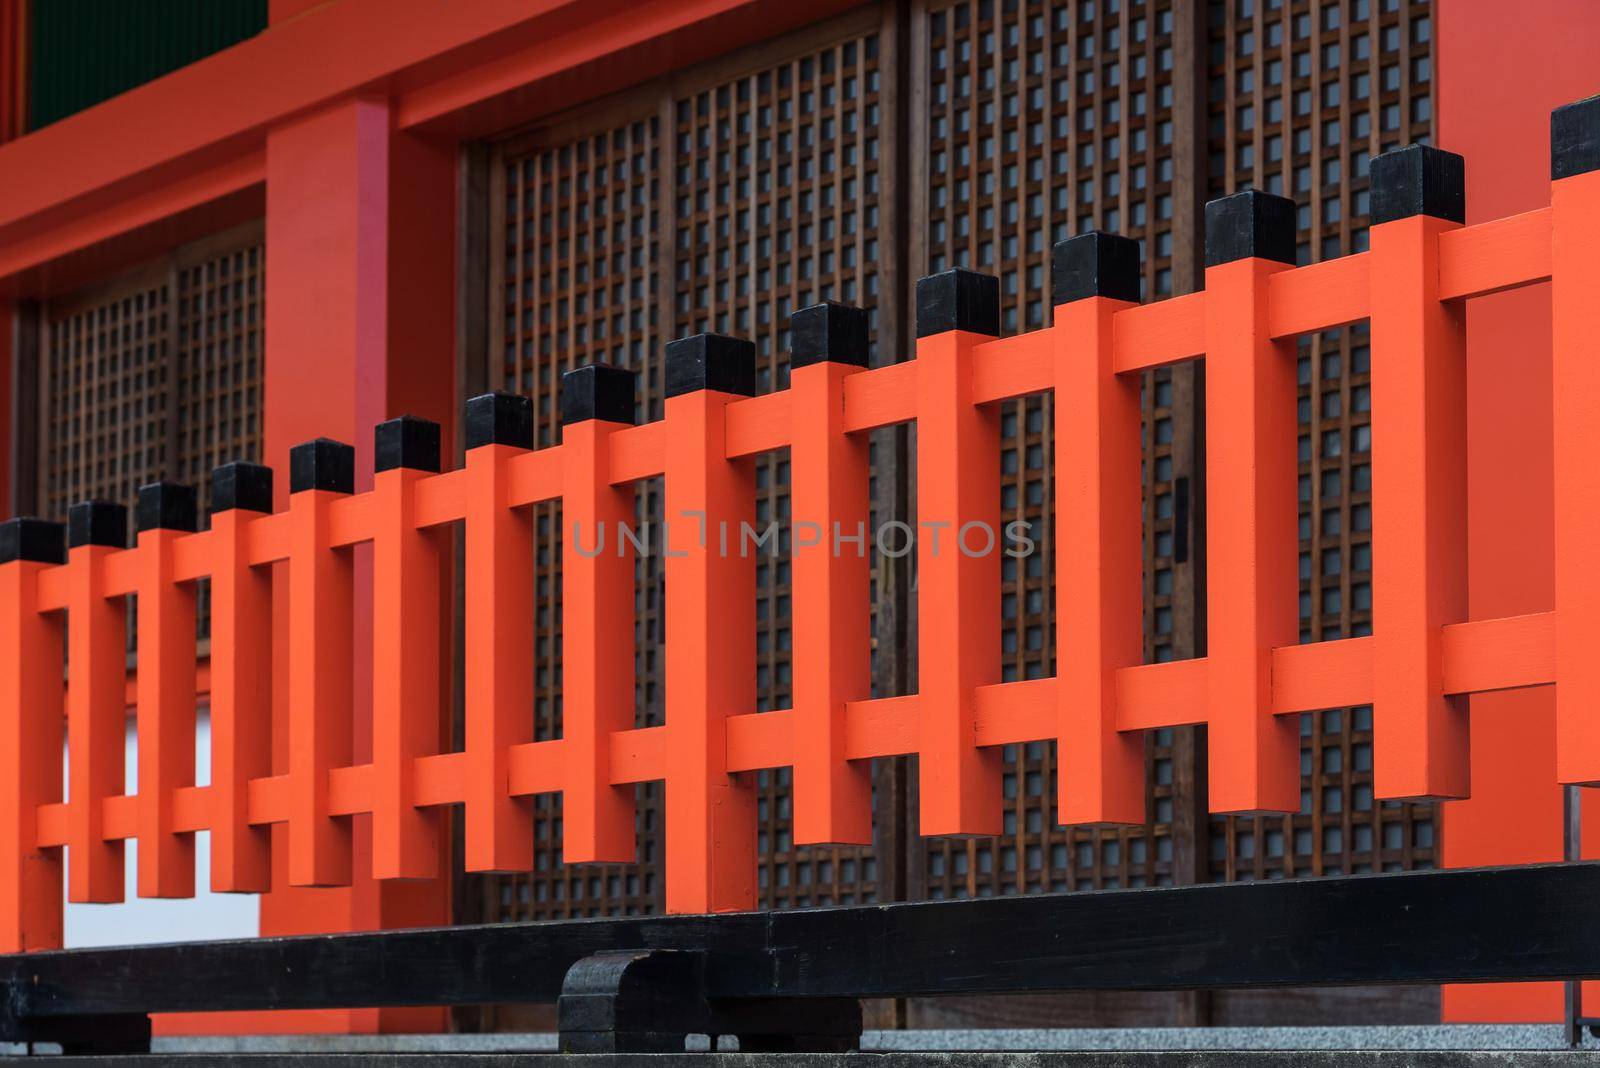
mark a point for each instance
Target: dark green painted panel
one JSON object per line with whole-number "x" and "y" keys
{"x": 85, "y": 51}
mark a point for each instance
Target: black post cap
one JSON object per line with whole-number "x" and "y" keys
{"x": 38, "y": 540}
{"x": 166, "y": 506}
{"x": 323, "y": 464}
{"x": 97, "y": 523}
{"x": 1575, "y": 138}
{"x": 406, "y": 441}
{"x": 829, "y": 332}
{"x": 597, "y": 391}
{"x": 1250, "y": 224}
{"x": 958, "y": 300}
{"x": 1095, "y": 264}
{"x": 241, "y": 485}
{"x": 711, "y": 361}
{"x": 1419, "y": 180}
{"x": 500, "y": 418}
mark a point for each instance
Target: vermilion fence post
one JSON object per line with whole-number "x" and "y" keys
{"x": 711, "y": 613}
{"x": 241, "y": 678}
{"x": 829, "y": 475}
{"x": 97, "y": 648}
{"x": 320, "y": 679}
{"x": 597, "y": 640}
{"x": 1252, "y": 545}
{"x": 31, "y": 728}
{"x": 1419, "y": 476}
{"x": 407, "y": 616}
{"x": 958, "y": 588}
{"x": 165, "y": 721}
{"x": 1099, "y": 563}
{"x": 499, "y": 634}
{"x": 1575, "y": 279}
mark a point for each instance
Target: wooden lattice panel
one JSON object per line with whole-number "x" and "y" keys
{"x": 1046, "y": 120}
{"x": 219, "y": 361}
{"x": 106, "y": 393}
{"x": 760, "y": 198}
{"x": 155, "y": 375}
{"x": 776, "y": 202}
{"x": 1303, "y": 93}
{"x": 575, "y": 281}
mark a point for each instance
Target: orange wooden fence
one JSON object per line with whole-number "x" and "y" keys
{"x": 63, "y": 592}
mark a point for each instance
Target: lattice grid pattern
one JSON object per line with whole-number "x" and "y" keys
{"x": 1047, "y": 120}
{"x": 1302, "y": 94}
{"x": 768, "y": 183}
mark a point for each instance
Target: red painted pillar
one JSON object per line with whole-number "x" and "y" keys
{"x": 1501, "y": 68}
{"x": 359, "y": 328}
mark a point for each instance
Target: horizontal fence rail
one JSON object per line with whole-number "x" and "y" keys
{"x": 63, "y": 592}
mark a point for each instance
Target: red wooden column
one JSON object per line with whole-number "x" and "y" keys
{"x": 499, "y": 634}
{"x": 241, "y": 678}
{"x": 97, "y": 650}
{"x": 1501, "y": 69}
{"x": 958, "y": 593}
{"x": 1575, "y": 373}
{"x": 408, "y": 616}
{"x": 166, "y": 690}
{"x": 31, "y": 728}
{"x": 1252, "y": 544}
{"x": 1419, "y": 476}
{"x": 360, "y": 292}
{"x": 711, "y": 610}
{"x": 320, "y": 654}
{"x": 1099, "y": 563}
{"x": 829, "y": 476}
{"x": 596, "y": 615}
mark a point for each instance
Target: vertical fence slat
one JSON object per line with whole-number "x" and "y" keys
{"x": 1252, "y": 545}
{"x": 499, "y": 634}
{"x": 958, "y": 594}
{"x": 407, "y": 615}
{"x": 31, "y": 727}
{"x": 711, "y": 621}
{"x": 97, "y": 645}
{"x": 165, "y": 714}
{"x": 241, "y": 678}
{"x": 320, "y": 679}
{"x": 832, "y": 614}
{"x": 597, "y": 641}
{"x": 1575, "y": 276}
{"x": 1419, "y": 476}
{"x": 1099, "y": 562}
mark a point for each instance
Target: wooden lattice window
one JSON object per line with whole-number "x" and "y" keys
{"x": 718, "y": 202}
{"x": 156, "y": 374}
{"x": 1046, "y": 120}
{"x": 1303, "y": 94}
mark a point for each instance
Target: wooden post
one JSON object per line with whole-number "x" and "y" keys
{"x": 30, "y": 736}
{"x": 1419, "y": 476}
{"x": 499, "y": 636}
{"x": 97, "y": 648}
{"x": 958, "y": 591}
{"x": 1099, "y": 563}
{"x": 711, "y": 647}
{"x": 1575, "y": 352}
{"x": 597, "y": 640}
{"x": 166, "y": 690}
{"x": 407, "y": 618}
{"x": 320, "y": 621}
{"x": 1251, "y": 540}
{"x": 241, "y": 678}
{"x": 830, "y": 503}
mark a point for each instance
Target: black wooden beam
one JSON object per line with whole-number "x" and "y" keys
{"x": 1473, "y": 925}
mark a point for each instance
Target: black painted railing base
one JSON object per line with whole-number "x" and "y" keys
{"x": 791, "y": 980}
